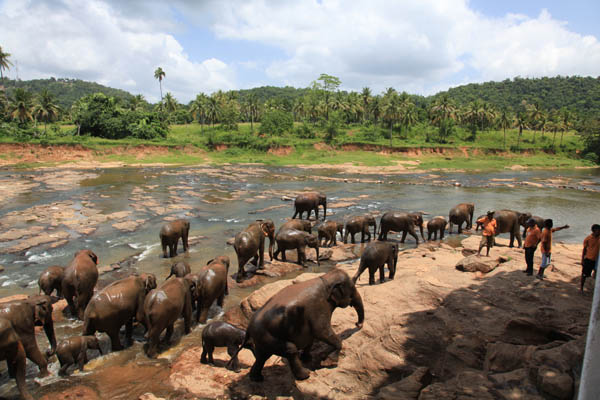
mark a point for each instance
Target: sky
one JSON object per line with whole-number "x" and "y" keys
{"x": 421, "y": 47}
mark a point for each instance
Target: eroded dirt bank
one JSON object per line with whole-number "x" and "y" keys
{"x": 434, "y": 332}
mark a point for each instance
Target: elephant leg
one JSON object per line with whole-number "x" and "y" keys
{"x": 372, "y": 270}
{"x": 293, "y": 356}
{"x": 413, "y": 234}
{"x": 346, "y": 236}
{"x": 221, "y": 299}
{"x": 33, "y": 353}
{"x": 450, "y": 227}
{"x": 392, "y": 268}
{"x": 232, "y": 351}
{"x": 325, "y": 333}
{"x": 153, "y": 336}
{"x": 362, "y": 236}
{"x": 518, "y": 235}
{"x": 316, "y": 213}
{"x": 382, "y": 273}
{"x": 295, "y": 214}
{"x": 184, "y": 241}
{"x": 81, "y": 360}
{"x": 172, "y": 250}
{"x": 460, "y": 227}
{"x": 334, "y": 240}
{"x": 169, "y": 333}
{"x": 17, "y": 364}
{"x": 404, "y": 236}
{"x": 203, "y": 312}
{"x": 512, "y": 240}
{"x": 368, "y": 233}
{"x": 115, "y": 342}
{"x": 442, "y": 234}
{"x": 241, "y": 273}
{"x": 428, "y": 236}
{"x": 175, "y": 245}
{"x": 259, "y": 363}
{"x": 65, "y": 364}
{"x": 129, "y": 332}
{"x": 164, "y": 249}
{"x": 206, "y": 350}
{"x": 283, "y": 258}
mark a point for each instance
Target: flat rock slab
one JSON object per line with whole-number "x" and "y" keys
{"x": 477, "y": 263}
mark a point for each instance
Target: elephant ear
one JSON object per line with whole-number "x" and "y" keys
{"x": 40, "y": 312}
{"x": 150, "y": 283}
{"x": 93, "y": 256}
{"x": 337, "y": 294}
{"x": 265, "y": 229}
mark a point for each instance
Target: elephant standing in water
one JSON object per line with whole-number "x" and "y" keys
{"x": 290, "y": 321}
{"x": 11, "y": 350}
{"x": 463, "y": 212}
{"x": 74, "y": 349}
{"x": 25, "y": 315}
{"x": 508, "y": 221}
{"x": 360, "y": 224}
{"x": 251, "y": 243}
{"x": 374, "y": 257}
{"x": 294, "y": 239}
{"x": 79, "y": 281}
{"x": 308, "y": 202}
{"x": 328, "y": 231}
{"x": 401, "y": 222}
{"x": 170, "y": 234}
{"x": 51, "y": 279}
{"x": 211, "y": 285}
{"x": 435, "y": 225}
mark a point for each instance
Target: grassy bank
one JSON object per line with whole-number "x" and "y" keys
{"x": 355, "y": 145}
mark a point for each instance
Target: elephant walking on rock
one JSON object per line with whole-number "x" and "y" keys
{"x": 435, "y": 225}
{"x": 508, "y": 222}
{"x": 309, "y": 201}
{"x": 300, "y": 224}
{"x": 250, "y": 243}
{"x": 211, "y": 285}
{"x": 462, "y": 212}
{"x": 401, "y": 222}
{"x": 374, "y": 257}
{"x": 327, "y": 232}
{"x": 360, "y": 224}
{"x": 170, "y": 234}
{"x": 289, "y": 322}
{"x": 74, "y": 350}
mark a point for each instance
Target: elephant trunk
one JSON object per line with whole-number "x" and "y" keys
{"x": 317, "y": 250}
{"x": 49, "y": 330}
{"x": 357, "y": 303}
{"x": 421, "y": 229}
{"x": 271, "y": 240}
{"x": 374, "y": 230}
{"x": 324, "y": 211}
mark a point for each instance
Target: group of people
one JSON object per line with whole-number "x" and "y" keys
{"x": 534, "y": 237}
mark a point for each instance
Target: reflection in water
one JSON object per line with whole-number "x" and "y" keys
{"x": 219, "y": 203}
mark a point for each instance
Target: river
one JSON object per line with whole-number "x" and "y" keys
{"x": 220, "y": 201}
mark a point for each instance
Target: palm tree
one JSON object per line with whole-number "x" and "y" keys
{"x": 213, "y": 109}
{"x": 566, "y": 124}
{"x": 198, "y": 109}
{"x": 252, "y": 110}
{"x": 160, "y": 74}
{"x": 506, "y": 121}
{"x": 170, "y": 103}
{"x": 4, "y": 62}
{"x": 45, "y": 109}
{"x": 443, "y": 109}
{"x": 391, "y": 109}
{"x": 535, "y": 114}
{"x": 409, "y": 117}
{"x": 77, "y": 110}
{"x": 366, "y": 99}
{"x": 521, "y": 123}
{"x": 22, "y": 106}
{"x": 136, "y": 102}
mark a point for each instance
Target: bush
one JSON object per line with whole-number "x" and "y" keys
{"x": 304, "y": 131}
{"x": 371, "y": 133}
{"x": 276, "y": 122}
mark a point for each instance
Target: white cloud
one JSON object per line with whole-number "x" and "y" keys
{"x": 94, "y": 41}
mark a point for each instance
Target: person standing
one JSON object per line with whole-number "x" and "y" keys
{"x": 546, "y": 247}
{"x": 589, "y": 256}
{"x": 489, "y": 231}
{"x": 534, "y": 235}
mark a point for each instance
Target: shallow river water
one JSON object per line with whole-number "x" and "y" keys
{"x": 220, "y": 201}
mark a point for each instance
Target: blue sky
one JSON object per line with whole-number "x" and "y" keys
{"x": 421, "y": 47}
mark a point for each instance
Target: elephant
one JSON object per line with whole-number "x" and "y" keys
{"x": 374, "y": 257}
{"x": 170, "y": 234}
{"x": 328, "y": 231}
{"x": 290, "y": 321}
{"x": 294, "y": 239}
{"x": 221, "y": 334}
{"x": 462, "y": 212}
{"x": 79, "y": 281}
{"x": 12, "y": 350}
{"x": 163, "y": 306}
{"x": 401, "y": 222}
{"x": 179, "y": 270}
{"x": 479, "y": 225}
{"x": 308, "y": 202}
{"x": 300, "y": 224}
{"x": 524, "y": 217}
{"x": 435, "y": 225}
{"x": 25, "y": 315}
{"x": 210, "y": 285}
{"x": 117, "y": 305}
{"x": 251, "y": 243}
{"x": 74, "y": 349}
{"x": 360, "y": 224}
{"x": 508, "y": 221}
{"x": 51, "y": 279}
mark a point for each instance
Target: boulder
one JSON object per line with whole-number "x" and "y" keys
{"x": 503, "y": 357}
{"x": 476, "y": 263}
{"x": 407, "y": 388}
{"x": 554, "y": 383}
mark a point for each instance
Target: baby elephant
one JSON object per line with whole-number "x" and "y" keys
{"x": 435, "y": 225}
{"x": 51, "y": 279}
{"x": 221, "y": 334}
{"x": 74, "y": 349}
{"x": 327, "y": 231}
{"x": 180, "y": 270}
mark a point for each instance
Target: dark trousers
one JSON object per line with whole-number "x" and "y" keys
{"x": 529, "y": 251}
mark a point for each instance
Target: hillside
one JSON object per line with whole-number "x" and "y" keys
{"x": 579, "y": 94}
{"x": 67, "y": 91}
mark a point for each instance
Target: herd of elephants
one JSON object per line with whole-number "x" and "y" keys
{"x": 286, "y": 325}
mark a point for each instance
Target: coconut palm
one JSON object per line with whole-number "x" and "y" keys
{"x": 136, "y": 102}
{"x": 170, "y": 103}
{"x": 45, "y": 108}
{"x": 198, "y": 109}
{"x": 160, "y": 75}
{"x": 506, "y": 121}
{"x": 521, "y": 123}
{"x": 366, "y": 100}
{"x": 22, "y": 106}
{"x": 5, "y": 63}
{"x": 535, "y": 114}
{"x": 443, "y": 109}
{"x": 213, "y": 109}
{"x": 566, "y": 124}
{"x": 252, "y": 103}
{"x": 391, "y": 109}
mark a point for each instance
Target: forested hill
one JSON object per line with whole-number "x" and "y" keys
{"x": 578, "y": 94}
{"x": 67, "y": 91}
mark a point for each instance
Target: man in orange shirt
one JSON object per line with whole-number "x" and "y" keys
{"x": 534, "y": 235}
{"x": 489, "y": 231}
{"x": 547, "y": 245}
{"x": 589, "y": 257}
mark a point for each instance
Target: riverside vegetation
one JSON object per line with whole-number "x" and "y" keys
{"x": 487, "y": 126}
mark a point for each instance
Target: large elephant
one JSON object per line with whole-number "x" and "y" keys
{"x": 163, "y": 306}
{"x": 170, "y": 234}
{"x": 462, "y": 212}
{"x": 116, "y": 305}
{"x": 51, "y": 279}
{"x": 25, "y": 315}
{"x": 327, "y": 231}
{"x": 211, "y": 285}
{"x": 374, "y": 257}
{"x": 308, "y": 202}
{"x": 524, "y": 217}
{"x": 300, "y": 224}
{"x": 12, "y": 350}
{"x": 290, "y": 321}
{"x": 79, "y": 281}
{"x": 360, "y": 224}
{"x": 74, "y": 349}
{"x": 435, "y": 225}
{"x": 508, "y": 221}
{"x": 251, "y": 243}
{"x": 293, "y": 239}
{"x": 401, "y": 222}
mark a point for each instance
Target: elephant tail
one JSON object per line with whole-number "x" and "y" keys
{"x": 248, "y": 343}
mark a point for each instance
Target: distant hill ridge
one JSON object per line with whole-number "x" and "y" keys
{"x": 579, "y": 94}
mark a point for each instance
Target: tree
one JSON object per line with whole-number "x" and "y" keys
{"x": 327, "y": 85}
{"x": 366, "y": 98}
{"x": 443, "y": 113}
{"x": 198, "y": 109}
{"x": 567, "y": 122}
{"x": 136, "y": 102}
{"x": 160, "y": 75}
{"x": 170, "y": 103}
{"x": 521, "y": 123}
{"x": 253, "y": 110}
{"x": 391, "y": 109}
{"x": 5, "y": 63}
{"x": 22, "y": 106}
{"x": 213, "y": 109}
{"x": 45, "y": 108}
{"x": 506, "y": 121}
